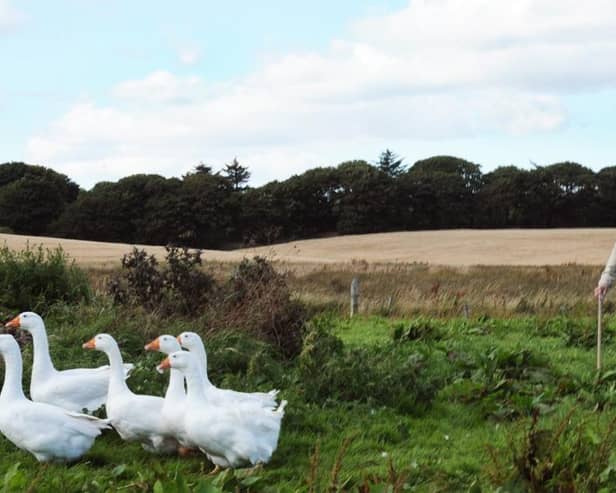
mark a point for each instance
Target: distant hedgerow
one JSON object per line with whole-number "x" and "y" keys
{"x": 36, "y": 278}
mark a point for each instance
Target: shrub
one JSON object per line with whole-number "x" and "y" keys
{"x": 574, "y": 455}
{"x": 257, "y": 300}
{"x": 179, "y": 287}
{"x": 329, "y": 372}
{"x": 36, "y": 278}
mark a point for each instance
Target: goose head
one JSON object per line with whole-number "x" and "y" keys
{"x": 101, "y": 342}
{"x": 180, "y": 360}
{"x": 190, "y": 340}
{"x": 28, "y": 321}
{"x": 164, "y": 344}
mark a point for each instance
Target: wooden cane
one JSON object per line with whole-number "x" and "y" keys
{"x": 599, "y": 318}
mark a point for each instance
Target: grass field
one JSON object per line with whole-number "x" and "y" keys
{"x": 481, "y": 381}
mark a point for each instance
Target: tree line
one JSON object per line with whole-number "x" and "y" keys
{"x": 207, "y": 208}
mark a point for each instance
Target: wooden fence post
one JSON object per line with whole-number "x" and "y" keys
{"x": 354, "y": 296}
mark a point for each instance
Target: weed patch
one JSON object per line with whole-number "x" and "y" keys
{"x": 36, "y": 278}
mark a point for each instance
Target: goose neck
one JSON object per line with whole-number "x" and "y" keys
{"x": 176, "y": 385}
{"x": 117, "y": 382}
{"x": 42, "y": 364}
{"x": 11, "y": 388}
{"x": 195, "y": 384}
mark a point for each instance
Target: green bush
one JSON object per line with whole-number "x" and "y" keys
{"x": 506, "y": 383}
{"x": 380, "y": 375}
{"x": 36, "y": 278}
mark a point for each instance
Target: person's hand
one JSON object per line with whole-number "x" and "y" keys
{"x": 600, "y": 291}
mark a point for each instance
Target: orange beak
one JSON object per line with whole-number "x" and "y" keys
{"x": 153, "y": 346}
{"x": 14, "y": 324}
{"x": 179, "y": 338}
{"x": 165, "y": 364}
{"x": 91, "y": 344}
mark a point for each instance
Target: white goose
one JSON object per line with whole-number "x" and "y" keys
{"x": 135, "y": 417}
{"x": 174, "y": 406}
{"x": 233, "y": 435}
{"x": 77, "y": 389}
{"x": 48, "y": 432}
{"x": 193, "y": 342}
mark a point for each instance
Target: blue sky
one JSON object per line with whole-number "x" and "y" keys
{"x": 100, "y": 90}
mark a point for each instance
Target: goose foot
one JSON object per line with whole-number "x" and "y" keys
{"x": 186, "y": 451}
{"x": 214, "y": 471}
{"x": 256, "y": 468}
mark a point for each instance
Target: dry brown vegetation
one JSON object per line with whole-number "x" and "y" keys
{"x": 501, "y": 291}
{"x": 441, "y": 273}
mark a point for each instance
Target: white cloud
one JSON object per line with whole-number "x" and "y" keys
{"x": 160, "y": 87}
{"x": 9, "y": 16}
{"x": 189, "y": 55}
{"x": 438, "y": 69}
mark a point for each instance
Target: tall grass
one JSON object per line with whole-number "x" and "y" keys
{"x": 416, "y": 289}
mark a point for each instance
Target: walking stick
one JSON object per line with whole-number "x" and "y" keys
{"x": 599, "y": 317}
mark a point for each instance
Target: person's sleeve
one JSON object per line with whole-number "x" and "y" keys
{"x": 609, "y": 273}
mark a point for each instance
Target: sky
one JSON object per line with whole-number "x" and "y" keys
{"x": 101, "y": 89}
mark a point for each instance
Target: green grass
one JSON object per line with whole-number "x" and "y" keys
{"x": 442, "y": 446}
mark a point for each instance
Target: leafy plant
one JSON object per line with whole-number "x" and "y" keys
{"x": 418, "y": 329}
{"x": 506, "y": 383}
{"x": 330, "y": 372}
{"x": 36, "y": 278}
{"x": 573, "y": 455}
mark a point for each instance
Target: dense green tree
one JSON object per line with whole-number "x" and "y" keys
{"x": 237, "y": 174}
{"x": 31, "y": 197}
{"x": 606, "y": 197}
{"x": 501, "y": 200}
{"x": 390, "y": 163}
{"x": 363, "y": 200}
{"x": 211, "y": 209}
{"x": 263, "y": 214}
{"x": 309, "y": 202}
{"x": 441, "y": 192}
{"x": 575, "y": 202}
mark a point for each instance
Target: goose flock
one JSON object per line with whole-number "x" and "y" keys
{"x": 233, "y": 429}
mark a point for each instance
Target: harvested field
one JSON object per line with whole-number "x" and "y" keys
{"x": 448, "y": 248}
